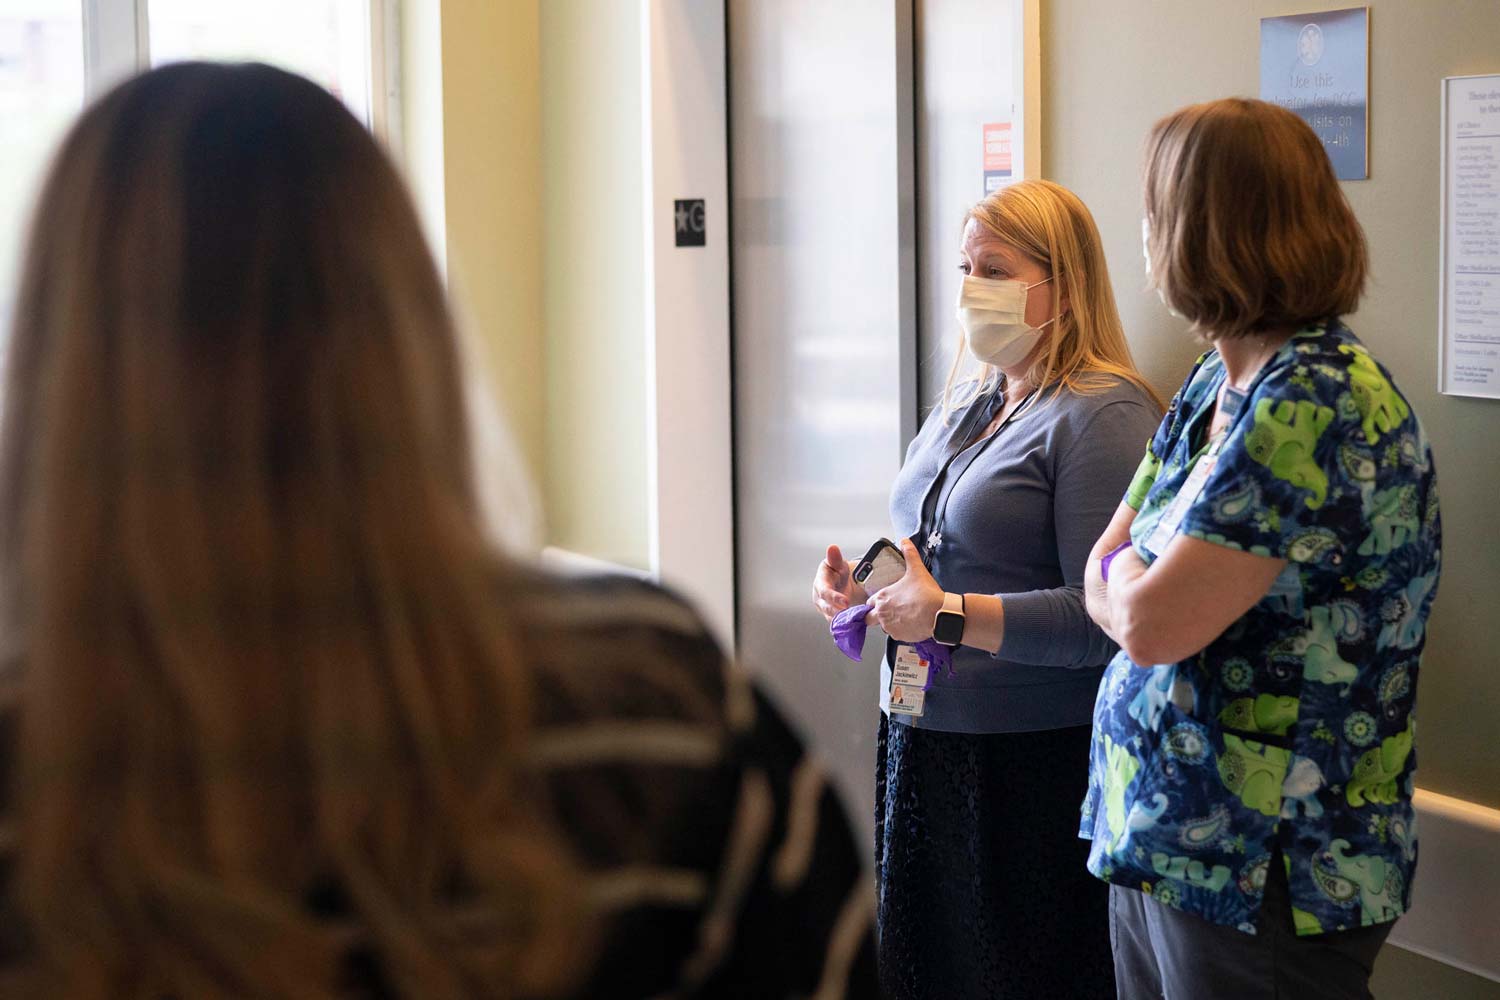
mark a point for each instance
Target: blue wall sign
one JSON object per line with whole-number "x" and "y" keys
{"x": 1318, "y": 65}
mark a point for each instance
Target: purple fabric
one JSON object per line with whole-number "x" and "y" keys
{"x": 938, "y": 655}
{"x": 848, "y": 629}
{"x": 1110, "y": 557}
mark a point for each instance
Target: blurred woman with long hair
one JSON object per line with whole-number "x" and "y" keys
{"x": 278, "y": 720}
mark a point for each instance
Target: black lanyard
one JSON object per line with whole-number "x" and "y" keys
{"x": 934, "y": 515}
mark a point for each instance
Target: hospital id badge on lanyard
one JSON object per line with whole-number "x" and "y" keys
{"x": 909, "y": 680}
{"x": 1192, "y": 488}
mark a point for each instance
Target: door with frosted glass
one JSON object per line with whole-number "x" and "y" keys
{"x": 823, "y": 328}
{"x": 856, "y": 145}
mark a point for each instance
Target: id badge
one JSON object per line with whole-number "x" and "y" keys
{"x": 909, "y": 679}
{"x": 1192, "y": 488}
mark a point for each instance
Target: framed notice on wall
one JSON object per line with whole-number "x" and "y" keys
{"x": 1469, "y": 300}
{"x": 1317, "y": 65}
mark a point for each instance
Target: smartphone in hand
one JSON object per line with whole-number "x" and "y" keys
{"x": 882, "y": 565}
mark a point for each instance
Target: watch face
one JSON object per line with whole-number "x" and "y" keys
{"x": 948, "y": 629}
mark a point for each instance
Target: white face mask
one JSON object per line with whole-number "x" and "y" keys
{"x": 992, "y": 312}
{"x": 1146, "y": 252}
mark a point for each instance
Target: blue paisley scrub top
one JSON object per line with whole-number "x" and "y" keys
{"x": 1295, "y": 728}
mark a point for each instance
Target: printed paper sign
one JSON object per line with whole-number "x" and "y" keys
{"x": 1470, "y": 296}
{"x": 997, "y": 158}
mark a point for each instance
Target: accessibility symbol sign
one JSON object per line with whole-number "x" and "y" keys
{"x": 688, "y": 215}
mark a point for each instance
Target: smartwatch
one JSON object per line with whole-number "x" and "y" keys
{"x": 948, "y": 626}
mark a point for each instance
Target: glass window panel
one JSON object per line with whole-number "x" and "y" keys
{"x": 41, "y": 88}
{"x": 327, "y": 41}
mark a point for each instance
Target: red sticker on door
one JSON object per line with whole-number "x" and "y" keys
{"x": 997, "y": 159}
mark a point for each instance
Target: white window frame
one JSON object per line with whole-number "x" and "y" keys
{"x": 385, "y": 72}
{"x": 117, "y": 45}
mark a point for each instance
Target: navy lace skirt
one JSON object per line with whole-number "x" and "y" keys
{"x": 983, "y": 890}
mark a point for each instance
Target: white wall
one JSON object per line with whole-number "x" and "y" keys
{"x": 690, "y": 488}
{"x": 420, "y": 73}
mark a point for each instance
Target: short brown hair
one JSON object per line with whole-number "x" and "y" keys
{"x": 1248, "y": 229}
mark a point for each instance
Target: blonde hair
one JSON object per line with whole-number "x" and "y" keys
{"x": 1087, "y": 353}
{"x": 262, "y": 650}
{"x": 1247, "y": 227}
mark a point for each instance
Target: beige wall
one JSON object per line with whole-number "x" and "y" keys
{"x": 1109, "y": 70}
{"x": 1403, "y": 975}
{"x": 491, "y": 135}
{"x": 594, "y": 279}
{"x": 523, "y": 145}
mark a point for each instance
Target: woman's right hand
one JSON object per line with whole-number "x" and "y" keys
{"x": 834, "y": 588}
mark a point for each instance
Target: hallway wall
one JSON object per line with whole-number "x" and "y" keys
{"x": 594, "y": 276}
{"x": 522, "y": 129}
{"x": 492, "y": 180}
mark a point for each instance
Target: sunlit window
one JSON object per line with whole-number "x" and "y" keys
{"x": 41, "y": 89}
{"x": 51, "y": 58}
{"x": 327, "y": 41}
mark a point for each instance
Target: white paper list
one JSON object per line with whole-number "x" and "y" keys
{"x": 1471, "y": 237}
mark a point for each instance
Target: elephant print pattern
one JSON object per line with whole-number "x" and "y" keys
{"x": 1295, "y": 728}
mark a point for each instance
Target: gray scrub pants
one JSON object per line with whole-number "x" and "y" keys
{"x": 1162, "y": 952}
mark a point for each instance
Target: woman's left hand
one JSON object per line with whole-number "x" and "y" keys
{"x": 907, "y": 608}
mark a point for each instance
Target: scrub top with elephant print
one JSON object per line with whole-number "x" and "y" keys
{"x": 1294, "y": 729}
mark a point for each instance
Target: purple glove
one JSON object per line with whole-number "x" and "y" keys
{"x": 848, "y": 629}
{"x": 1110, "y": 557}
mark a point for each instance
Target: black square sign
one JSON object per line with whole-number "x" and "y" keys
{"x": 687, "y": 214}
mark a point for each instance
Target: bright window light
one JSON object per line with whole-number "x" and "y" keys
{"x": 327, "y": 41}
{"x": 41, "y": 89}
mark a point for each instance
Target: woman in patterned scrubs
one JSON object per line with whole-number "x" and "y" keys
{"x": 1268, "y": 577}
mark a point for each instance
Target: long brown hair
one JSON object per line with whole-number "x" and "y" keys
{"x": 1088, "y": 352}
{"x": 262, "y": 650}
{"x": 1247, "y": 227}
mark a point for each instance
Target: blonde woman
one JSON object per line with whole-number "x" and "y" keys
{"x": 981, "y": 886}
{"x": 281, "y": 723}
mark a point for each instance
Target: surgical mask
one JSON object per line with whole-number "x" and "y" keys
{"x": 1146, "y": 252}
{"x": 992, "y": 312}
